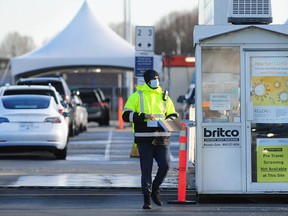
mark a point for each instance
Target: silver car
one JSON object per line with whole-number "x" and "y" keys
{"x": 32, "y": 122}
{"x": 81, "y": 114}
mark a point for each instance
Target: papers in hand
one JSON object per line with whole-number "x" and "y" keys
{"x": 168, "y": 125}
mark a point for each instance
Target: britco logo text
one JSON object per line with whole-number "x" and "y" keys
{"x": 220, "y": 132}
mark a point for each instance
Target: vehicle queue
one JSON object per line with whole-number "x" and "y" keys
{"x": 41, "y": 113}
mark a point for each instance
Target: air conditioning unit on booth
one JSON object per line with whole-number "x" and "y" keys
{"x": 249, "y": 12}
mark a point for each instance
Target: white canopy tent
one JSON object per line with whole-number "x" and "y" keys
{"x": 84, "y": 42}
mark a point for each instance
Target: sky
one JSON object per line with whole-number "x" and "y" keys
{"x": 43, "y": 19}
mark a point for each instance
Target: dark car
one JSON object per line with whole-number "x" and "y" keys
{"x": 62, "y": 87}
{"x": 97, "y": 105}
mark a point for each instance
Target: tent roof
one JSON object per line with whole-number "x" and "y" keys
{"x": 85, "y": 41}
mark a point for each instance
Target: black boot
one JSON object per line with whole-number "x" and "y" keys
{"x": 147, "y": 202}
{"x": 156, "y": 197}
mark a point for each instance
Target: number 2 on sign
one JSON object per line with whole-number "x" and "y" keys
{"x": 139, "y": 32}
{"x": 150, "y": 32}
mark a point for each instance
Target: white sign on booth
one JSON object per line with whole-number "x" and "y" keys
{"x": 220, "y": 101}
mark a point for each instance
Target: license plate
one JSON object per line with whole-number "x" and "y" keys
{"x": 25, "y": 126}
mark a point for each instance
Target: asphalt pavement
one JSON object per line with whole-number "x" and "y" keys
{"x": 113, "y": 193}
{"x": 120, "y": 202}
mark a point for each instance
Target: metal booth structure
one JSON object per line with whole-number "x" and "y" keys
{"x": 241, "y": 109}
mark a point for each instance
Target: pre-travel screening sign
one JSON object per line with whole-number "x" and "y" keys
{"x": 272, "y": 160}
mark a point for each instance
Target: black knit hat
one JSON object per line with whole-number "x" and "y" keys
{"x": 149, "y": 75}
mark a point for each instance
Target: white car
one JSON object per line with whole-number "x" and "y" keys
{"x": 37, "y": 90}
{"x": 32, "y": 122}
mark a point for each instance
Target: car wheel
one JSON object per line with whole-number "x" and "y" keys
{"x": 80, "y": 128}
{"x": 85, "y": 128}
{"x": 77, "y": 130}
{"x": 107, "y": 119}
{"x": 72, "y": 129}
{"x": 61, "y": 154}
{"x": 101, "y": 123}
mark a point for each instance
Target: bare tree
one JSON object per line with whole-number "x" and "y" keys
{"x": 14, "y": 45}
{"x": 120, "y": 30}
{"x": 174, "y": 33}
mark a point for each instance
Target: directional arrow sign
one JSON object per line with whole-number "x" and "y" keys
{"x": 144, "y": 38}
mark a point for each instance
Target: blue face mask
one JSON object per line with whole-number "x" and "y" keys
{"x": 154, "y": 83}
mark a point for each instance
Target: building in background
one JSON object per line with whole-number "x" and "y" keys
{"x": 223, "y": 12}
{"x": 213, "y": 12}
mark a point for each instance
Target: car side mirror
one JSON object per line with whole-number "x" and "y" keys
{"x": 70, "y": 105}
{"x": 107, "y": 100}
{"x": 64, "y": 104}
{"x": 66, "y": 114}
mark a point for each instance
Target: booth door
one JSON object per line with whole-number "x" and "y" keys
{"x": 266, "y": 75}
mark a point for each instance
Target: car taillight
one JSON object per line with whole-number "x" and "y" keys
{"x": 61, "y": 111}
{"x": 53, "y": 120}
{"x": 2, "y": 119}
{"x": 97, "y": 104}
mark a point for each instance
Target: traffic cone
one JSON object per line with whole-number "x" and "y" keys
{"x": 134, "y": 151}
{"x": 183, "y": 141}
{"x": 120, "y": 110}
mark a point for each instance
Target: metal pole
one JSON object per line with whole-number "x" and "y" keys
{"x": 127, "y": 21}
{"x": 169, "y": 70}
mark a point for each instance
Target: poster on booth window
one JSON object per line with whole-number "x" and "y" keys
{"x": 272, "y": 160}
{"x": 269, "y": 83}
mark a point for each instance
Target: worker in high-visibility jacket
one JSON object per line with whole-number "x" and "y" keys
{"x": 146, "y": 104}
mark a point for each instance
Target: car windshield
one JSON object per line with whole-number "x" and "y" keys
{"x": 26, "y": 102}
{"x": 31, "y": 91}
{"x": 88, "y": 97}
{"x": 57, "y": 85}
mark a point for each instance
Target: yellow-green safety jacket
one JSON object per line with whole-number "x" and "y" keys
{"x": 148, "y": 101}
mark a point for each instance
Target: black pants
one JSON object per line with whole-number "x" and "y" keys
{"x": 161, "y": 154}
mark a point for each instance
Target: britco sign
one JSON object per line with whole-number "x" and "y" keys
{"x": 221, "y": 137}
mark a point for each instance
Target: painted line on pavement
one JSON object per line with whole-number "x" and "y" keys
{"x": 108, "y": 145}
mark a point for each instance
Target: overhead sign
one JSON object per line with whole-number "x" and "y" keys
{"x": 143, "y": 63}
{"x": 144, "y": 38}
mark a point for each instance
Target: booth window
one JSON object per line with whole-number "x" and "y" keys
{"x": 221, "y": 84}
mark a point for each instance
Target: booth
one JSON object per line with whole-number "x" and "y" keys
{"x": 241, "y": 109}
